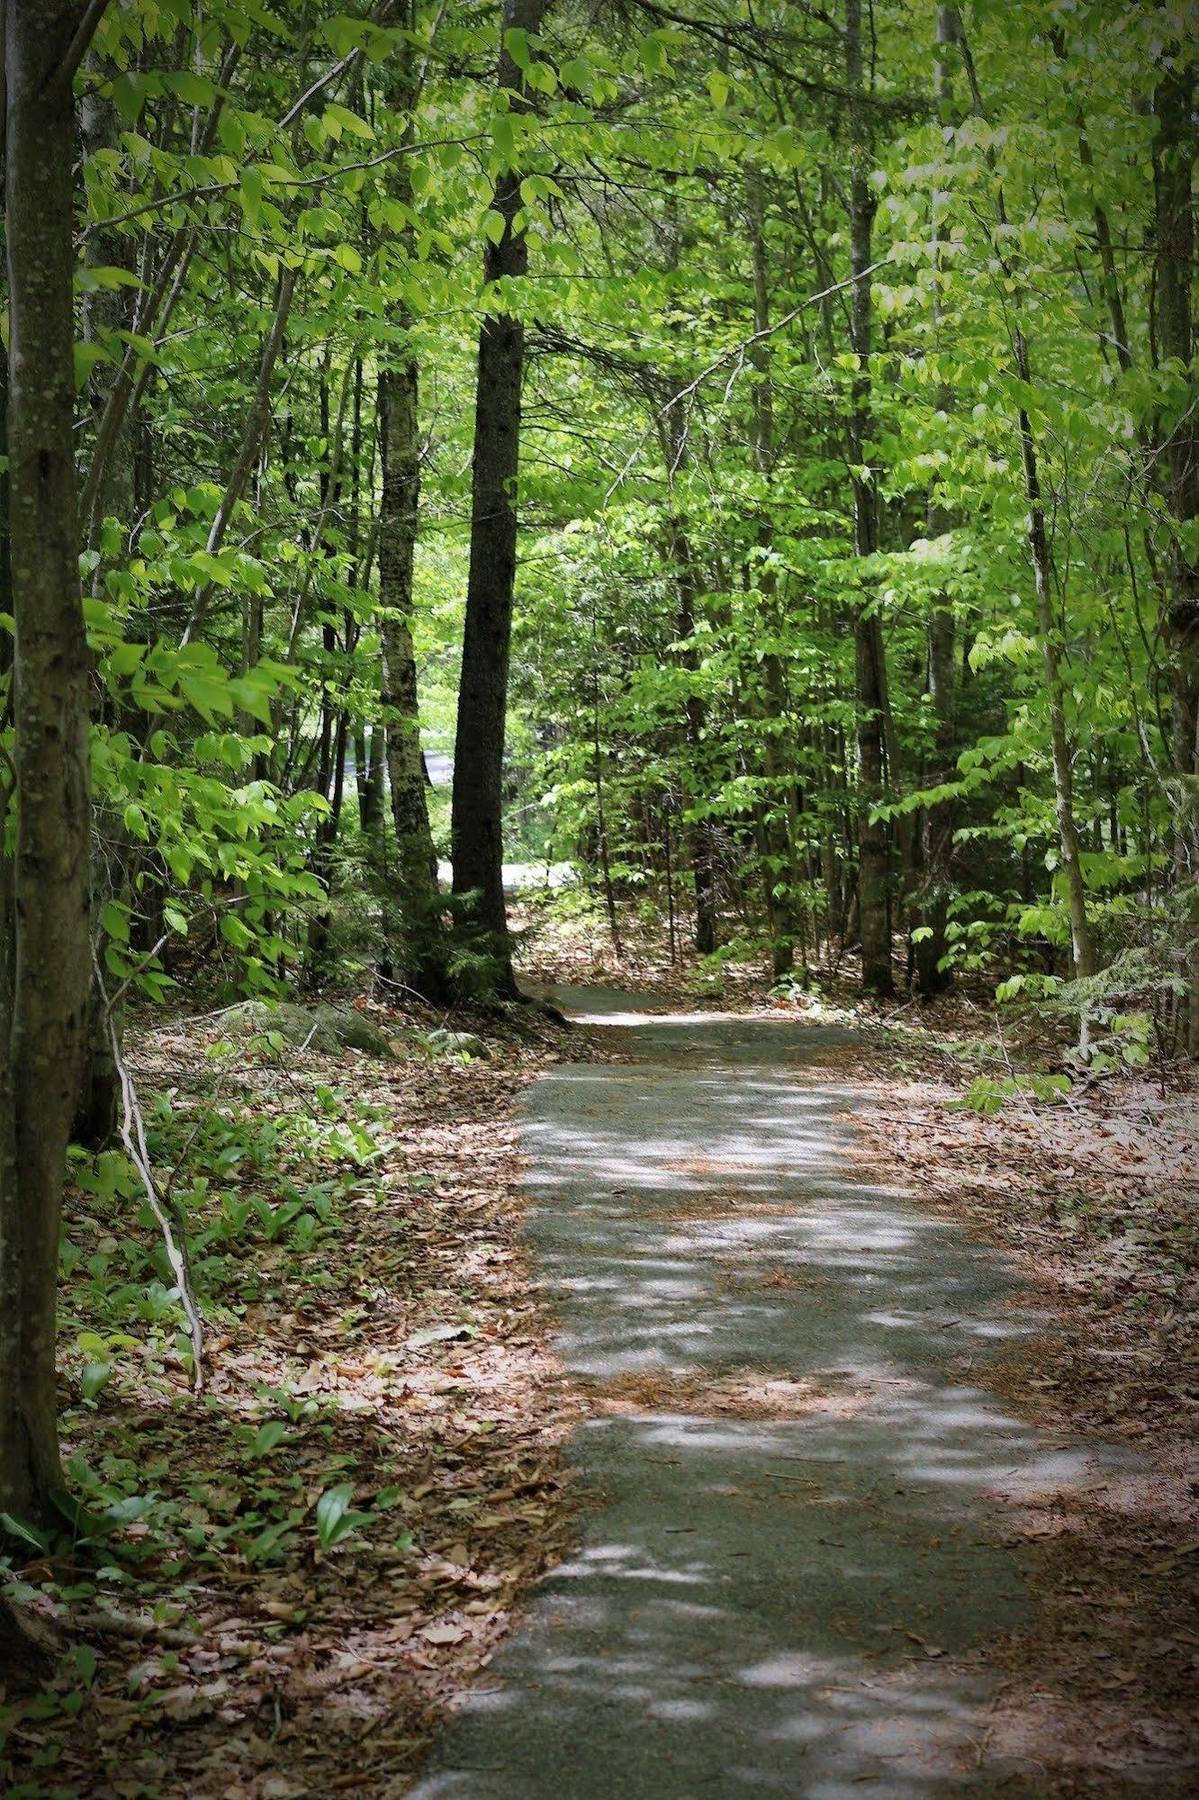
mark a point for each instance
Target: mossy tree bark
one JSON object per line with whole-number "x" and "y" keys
{"x": 46, "y": 948}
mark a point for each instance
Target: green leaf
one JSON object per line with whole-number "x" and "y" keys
{"x": 334, "y": 1520}
{"x": 129, "y": 96}
{"x": 27, "y": 1534}
{"x": 196, "y": 89}
{"x": 268, "y": 1437}
{"x": 86, "y": 357}
{"x": 516, "y": 43}
{"x": 94, "y": 1377}
{"x": 123, "y": 660}
{"x": 343, "y": 34}
{"x": 349, "y": 121}
{"x": 235, "y": 933}
{"x": 115, "y": 920}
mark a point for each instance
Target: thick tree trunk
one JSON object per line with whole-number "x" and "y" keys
{"x": 870, "y": 669}
{"x": 478, "y": 796}
{"x": 1173, "y": 178}
{"x": 46, "y": 988}
{"x": 106, "y": 311}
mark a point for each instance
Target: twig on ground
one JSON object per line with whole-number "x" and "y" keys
{"x": 133, "y": 1137}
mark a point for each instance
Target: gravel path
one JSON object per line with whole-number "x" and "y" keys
{"x": 796, "y": 1540}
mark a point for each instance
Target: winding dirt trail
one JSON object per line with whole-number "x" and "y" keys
{"x": 796, "y": 1541}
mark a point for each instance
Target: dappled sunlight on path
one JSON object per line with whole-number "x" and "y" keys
{"x": 795, "y": 1549}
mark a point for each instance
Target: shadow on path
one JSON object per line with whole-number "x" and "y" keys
{"x": 760, "y": 1604}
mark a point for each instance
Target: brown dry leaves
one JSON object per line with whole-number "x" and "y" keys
{"x": 421, "y": 1349}
{"x": 1099, "y": 1201}
{"x": 747, "y": 1393}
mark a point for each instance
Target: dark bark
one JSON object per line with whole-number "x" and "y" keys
{"x": 699, "y": 837}
{"x": 416, "y": 887}
{"x": 1083, "y": 957}
{"x": 370, "y": 763}
{"x": 775, "y": 815}
{"x": 1178, "y": 461}
{"x": 477, "y": 810}
{"x": 935, "y": 847}
{"x": 106, "y": 311}
{"x": 870, "y": 670}
{"x": 415, "y": 890}
{"x": 331, "y": 741}
{"x": 937, "y": 822}
{"x": 46, "y": 986}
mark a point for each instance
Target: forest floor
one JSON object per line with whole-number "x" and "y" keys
{"x": 281, "y": 1587}
{"x": 282, "y": 1581}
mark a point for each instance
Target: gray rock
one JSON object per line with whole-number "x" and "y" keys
{"x": 326, "y": 1028}
{"x": 460, "y": 1042}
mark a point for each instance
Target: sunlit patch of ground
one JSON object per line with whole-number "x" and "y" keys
{"x": 737, "y": 1393}
{"x": 722, "y": 1204}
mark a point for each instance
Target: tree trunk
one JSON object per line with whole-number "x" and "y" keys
{"x": 601, "y": 825}
{"x": 1173, "y": 170}
{"x": 699, "y": 837}
{"x": 46, "y": 987}
{"x": 1081, "y": 941}
{"x": 478, "y": 796}
{"x": 937, "y": 822}
{"x": 422, "y": 954}
{"x": 779, "y": 872}
{"x": 870, "y": 669}
{"x": 672, "y": 437}
{"x": 106, "y": 311}
{"x": 370, "y": 764}
{"x": 423, "y": 961}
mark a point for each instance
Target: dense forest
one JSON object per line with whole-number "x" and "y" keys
{"x": 728, "y": 470}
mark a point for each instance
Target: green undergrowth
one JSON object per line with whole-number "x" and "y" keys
{"x": 275, "y": 1171}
